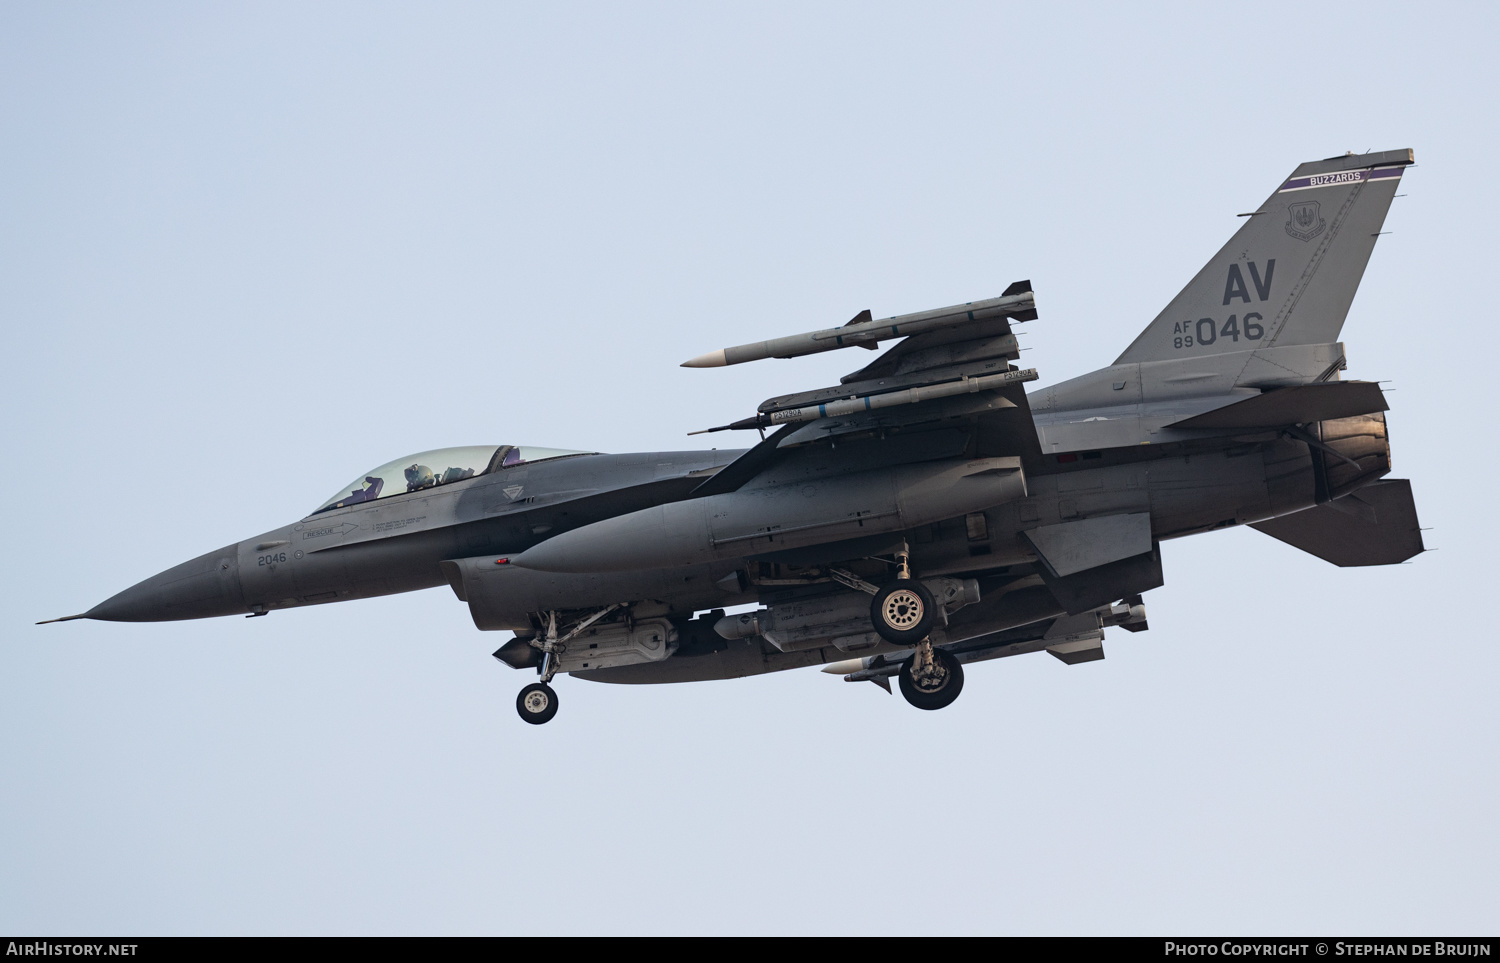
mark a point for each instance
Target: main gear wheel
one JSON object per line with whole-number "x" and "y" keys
{"x": 931, "y": 678}
{"x": 903, "y": 612}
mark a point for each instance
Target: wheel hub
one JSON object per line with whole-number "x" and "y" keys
{"x": 932, "y": 680}
{"x": 536, "y": 701}
{"x": 928, "y": 672}
{"x": 902, "y": 609}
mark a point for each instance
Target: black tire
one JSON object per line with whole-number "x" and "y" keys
{"x": 903, "y": 612}
{"x": 933, "y": 697}
{"x": 537, "y": 703}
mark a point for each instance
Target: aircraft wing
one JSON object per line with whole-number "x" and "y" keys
{"x": 950, "y": 369}
{"x": 949, "y": 390}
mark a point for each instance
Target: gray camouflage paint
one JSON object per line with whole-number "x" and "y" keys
{"x": 979, "y": 482}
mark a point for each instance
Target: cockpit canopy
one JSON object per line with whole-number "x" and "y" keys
{"x": 430, "y": 469}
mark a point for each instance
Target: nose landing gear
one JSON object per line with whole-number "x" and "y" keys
{"x": 537, "y": 703}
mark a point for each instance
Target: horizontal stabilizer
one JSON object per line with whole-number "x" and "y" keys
{"x": 1381, "y": 530}
{"x": 1294, "y": 405}
{"x": 1073, "y": 547}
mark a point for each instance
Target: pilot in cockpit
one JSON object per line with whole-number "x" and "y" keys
{"x": 419, "y": 477}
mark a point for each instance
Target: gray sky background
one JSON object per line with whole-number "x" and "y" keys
{"x": 250, "y": 250}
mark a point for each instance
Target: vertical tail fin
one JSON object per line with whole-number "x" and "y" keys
{"x": 1289, "y": 274}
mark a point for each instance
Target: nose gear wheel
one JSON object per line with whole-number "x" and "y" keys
{"x": 537, "y": 703}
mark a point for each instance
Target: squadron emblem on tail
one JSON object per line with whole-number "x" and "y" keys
{"x": 1303, "y": 220}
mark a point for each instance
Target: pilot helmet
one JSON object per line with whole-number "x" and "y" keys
{"x": 419, "y": 476}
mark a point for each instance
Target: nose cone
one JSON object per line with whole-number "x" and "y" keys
{"x": 207, "y": 586}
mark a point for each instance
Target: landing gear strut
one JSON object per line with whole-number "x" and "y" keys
{"x": 537, "y": 703}
{"x": 931, "y": 678}
{"x": 903, "y": 612}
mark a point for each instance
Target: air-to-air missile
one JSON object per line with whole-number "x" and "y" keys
{"x": 922, "y": 515}
{"x": 963, "y": 385}
{"x": 862, "y": 331}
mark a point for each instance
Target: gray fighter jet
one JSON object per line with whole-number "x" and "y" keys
{"x": 923, "y": 514}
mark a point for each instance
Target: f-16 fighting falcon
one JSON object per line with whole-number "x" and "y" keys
{"x": 923, "y": 514}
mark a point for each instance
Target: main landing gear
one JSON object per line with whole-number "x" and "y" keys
{"x": 903, "y": 614}
{"x": 931, "y": 678}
